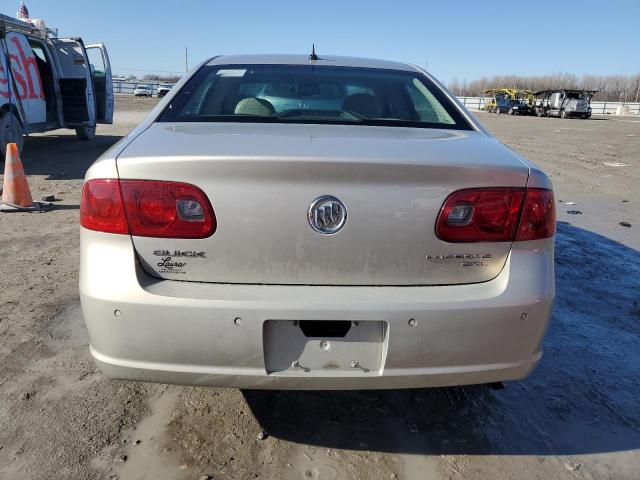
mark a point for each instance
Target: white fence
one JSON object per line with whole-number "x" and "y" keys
{"x": 127, "y": 87}
{"x": 597, "y": 108}
{"x": 472, "y": 103}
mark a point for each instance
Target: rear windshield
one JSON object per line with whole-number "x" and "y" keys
{"x": 313, "y": 94}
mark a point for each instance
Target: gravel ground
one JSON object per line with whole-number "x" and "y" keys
{"x": 577, "y": 416}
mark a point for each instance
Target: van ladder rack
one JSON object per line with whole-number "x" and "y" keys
{"x": 10, "y": 24}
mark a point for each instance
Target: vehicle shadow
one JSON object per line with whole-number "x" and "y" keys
{"x": 61, "y": 157}
{"x": 583, "y": 397}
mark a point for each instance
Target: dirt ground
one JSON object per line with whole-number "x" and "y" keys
{"x": 576, "y": 417}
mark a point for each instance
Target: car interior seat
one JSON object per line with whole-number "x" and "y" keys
{"x": 364, "y": 104}
{"x": 255, "y": 106}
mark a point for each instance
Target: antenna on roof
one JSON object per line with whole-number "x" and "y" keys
{"x": 313, "y": 55}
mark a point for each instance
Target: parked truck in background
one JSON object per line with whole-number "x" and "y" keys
{"x": 143, "y": 91}
{"x": 47, "y": 83}
{"x": 163, "y": 89}
{"x": 563, "y": 103}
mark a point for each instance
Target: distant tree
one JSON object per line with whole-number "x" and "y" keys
{"x": 162, "y": 78}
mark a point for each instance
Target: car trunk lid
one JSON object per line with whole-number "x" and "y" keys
{"x": 262, "y": 179}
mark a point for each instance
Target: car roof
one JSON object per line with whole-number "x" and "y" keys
{"x": 328, "y": 60}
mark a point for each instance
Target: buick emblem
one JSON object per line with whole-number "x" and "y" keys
{"x": 327, "y": 215}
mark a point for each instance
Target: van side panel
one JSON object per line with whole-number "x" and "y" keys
{"x": 27, "y": 84}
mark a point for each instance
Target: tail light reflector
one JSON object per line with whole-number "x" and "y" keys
{"x": 497, "y": 215}
{"x": 147, "y": 208}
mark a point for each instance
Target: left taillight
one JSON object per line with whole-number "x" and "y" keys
{"x": 147, "y": 208}
{"x": 101, "y": 207}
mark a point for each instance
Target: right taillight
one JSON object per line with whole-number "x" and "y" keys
{"x": 538, "y": 215}
{"x": 497, "y": 214}
{"x": 146, "y": 208}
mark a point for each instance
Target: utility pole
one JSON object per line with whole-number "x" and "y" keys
{"x": 186, "y": 59}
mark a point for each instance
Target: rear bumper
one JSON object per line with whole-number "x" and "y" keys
{"x": 154, "y": 330}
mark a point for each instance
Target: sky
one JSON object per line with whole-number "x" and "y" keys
{"x": 461, "y": 40}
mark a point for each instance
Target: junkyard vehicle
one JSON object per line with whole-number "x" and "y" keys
{"x": 524, "y": 96}
{"x": 512, "y": 106}
{"x": 163, "y": 89}
{"x": 53, "y": 83}
{"x": 142, "y": 91}
{"x": 334, "y": 223}
{"x": 564, "y": 103}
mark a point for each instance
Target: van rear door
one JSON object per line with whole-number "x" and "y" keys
{"x": 74, "y": 83}
{"x": 102, "y": 81}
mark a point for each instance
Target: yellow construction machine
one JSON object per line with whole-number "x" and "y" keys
{"x": 496, "y": 94}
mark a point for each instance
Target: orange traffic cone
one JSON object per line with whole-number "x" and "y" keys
{"x": 15, "y": 189}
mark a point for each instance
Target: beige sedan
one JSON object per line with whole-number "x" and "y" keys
{"x": 288, "y": 222}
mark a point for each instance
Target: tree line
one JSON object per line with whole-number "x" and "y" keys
{"x": 611, "y": 88}
{"x": 153, "y": 77}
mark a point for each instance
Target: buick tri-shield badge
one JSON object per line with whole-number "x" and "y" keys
{"x": 327, "y": 215}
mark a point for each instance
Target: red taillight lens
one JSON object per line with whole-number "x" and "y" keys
{"x": 101, "y": 207}
{"x": 538, "y": 215}
{"x": 480, "y": 215}
{"x": 497, "y": 215}
{"x": 153, "y": 208}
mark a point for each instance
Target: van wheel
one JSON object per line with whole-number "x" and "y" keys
{"x": 11, "y": 131}
{"x": 86, "y": 133}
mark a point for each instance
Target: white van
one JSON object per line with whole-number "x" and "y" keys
{"x": 53, "y": 83}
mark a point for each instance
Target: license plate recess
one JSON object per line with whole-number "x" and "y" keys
{"x": 288, "y": 350}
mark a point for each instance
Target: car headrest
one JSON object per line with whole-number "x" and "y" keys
{"x": 255, "y": 106}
